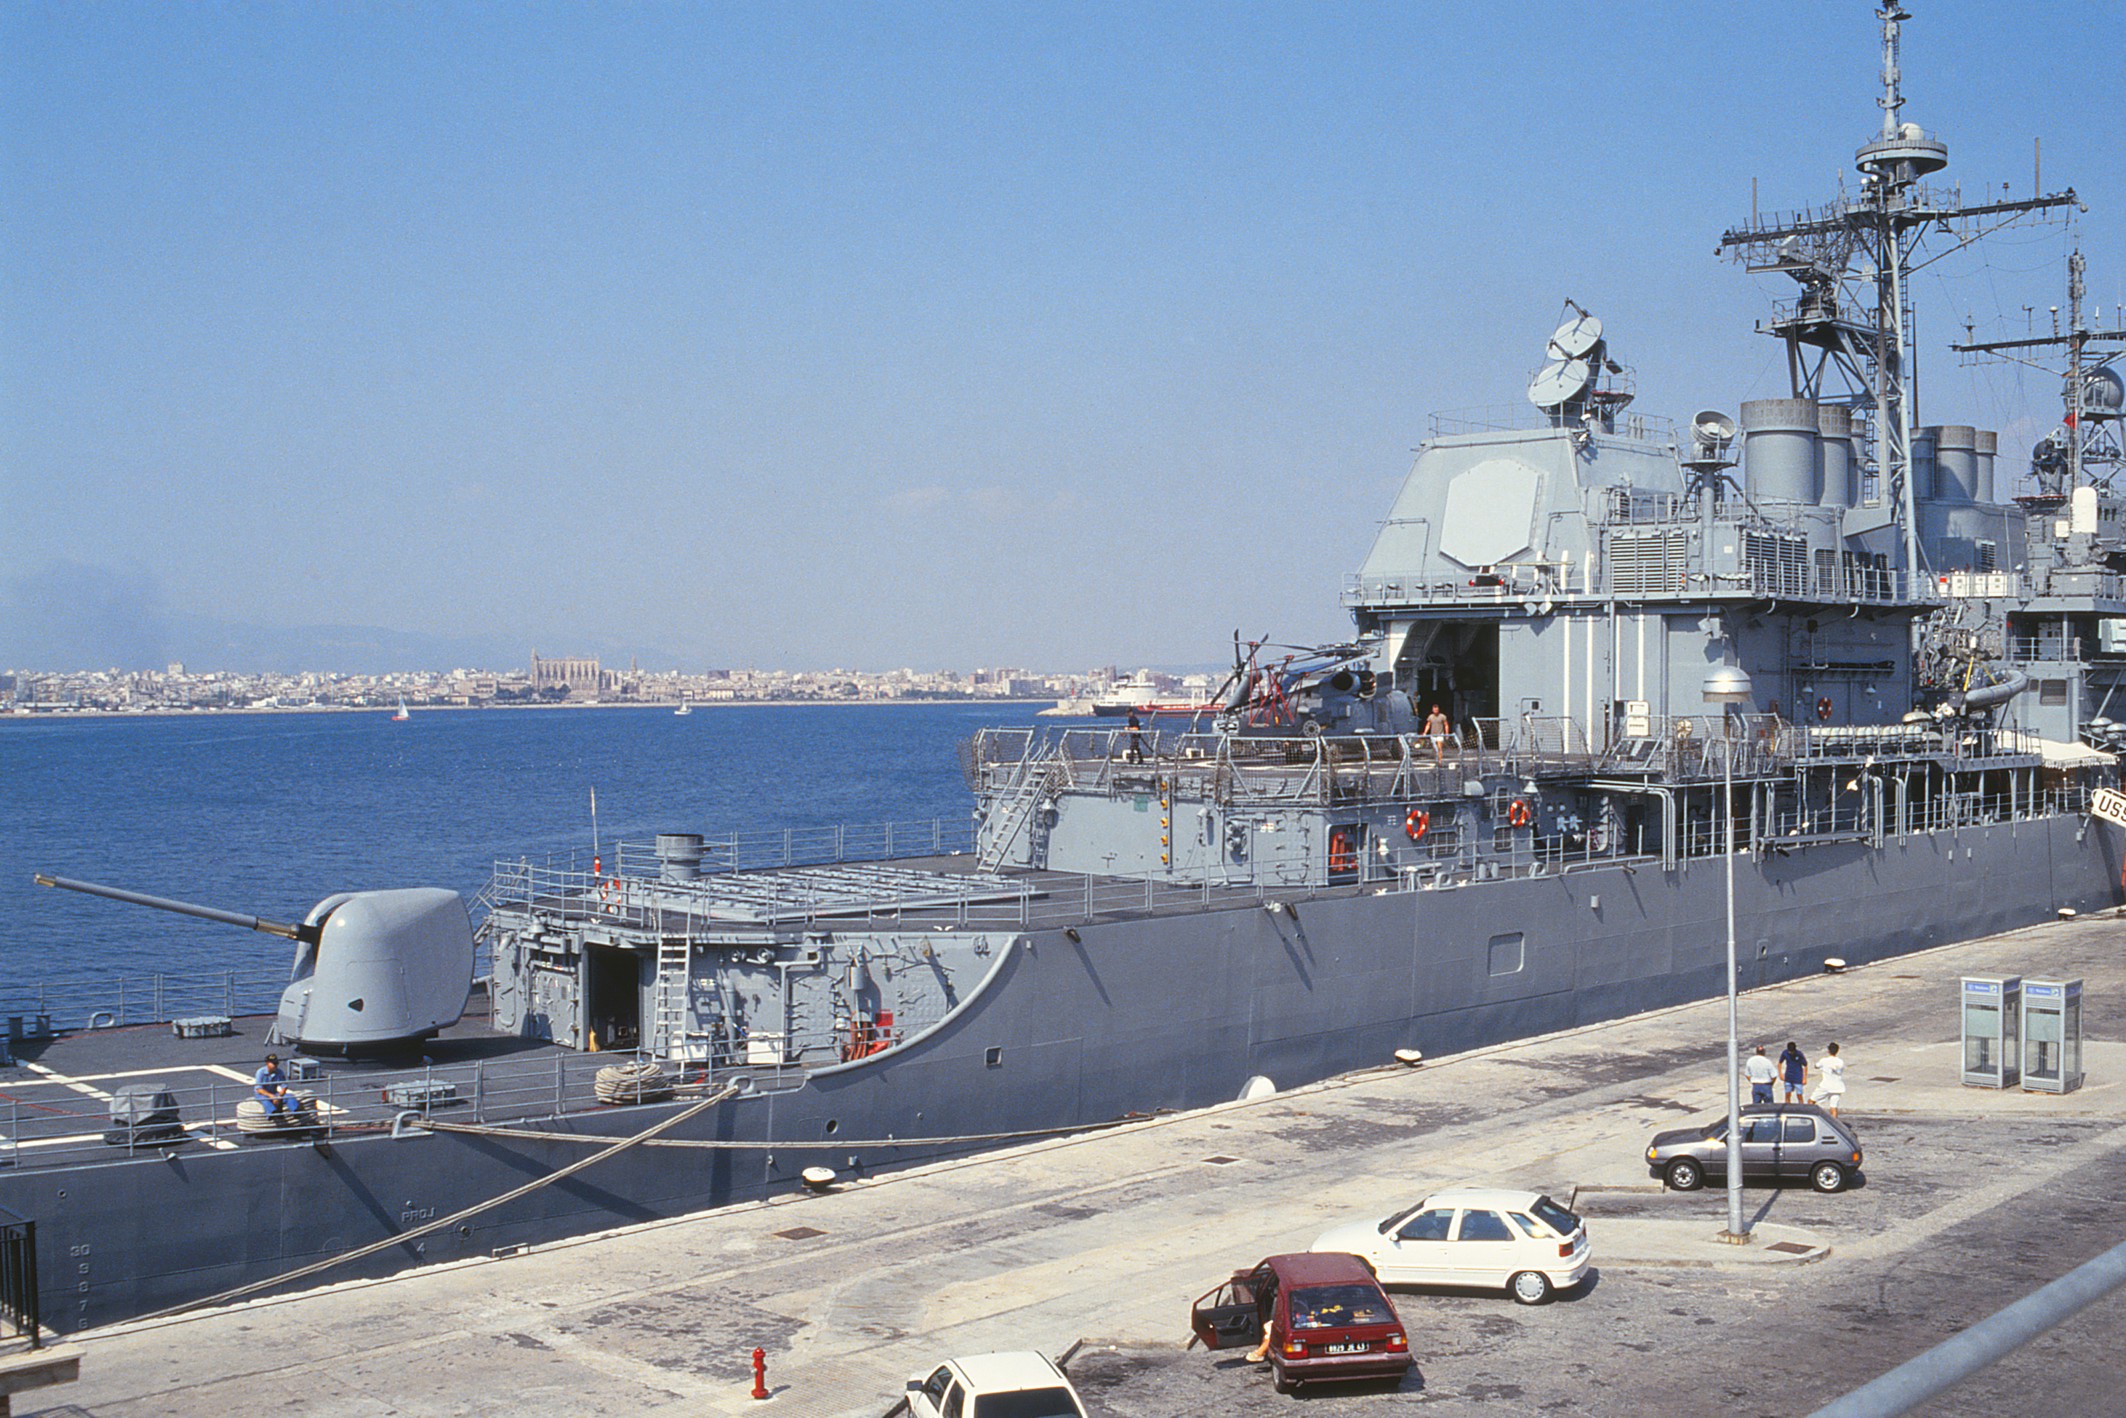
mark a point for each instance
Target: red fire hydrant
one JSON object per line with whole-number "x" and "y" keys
{"x": 760, "y": 1373}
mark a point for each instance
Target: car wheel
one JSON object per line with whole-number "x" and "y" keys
{"x": 1827, "y": 1177}
{"x": 1685, "y": 1175}
{"x": 1530, "y": 1287}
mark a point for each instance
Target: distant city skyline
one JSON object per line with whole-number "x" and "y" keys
{"x": 375, "y": 337}
{"x": 566, "y": 681}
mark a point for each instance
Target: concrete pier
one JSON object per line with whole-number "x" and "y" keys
{"x": 1970, "y": 1199}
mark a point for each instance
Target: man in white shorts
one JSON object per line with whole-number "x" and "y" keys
{"x": 1830, "y": 1084}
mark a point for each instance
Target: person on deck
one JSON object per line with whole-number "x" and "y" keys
{"x": 1437, "y": 728}
{"x": 271, "y": 1086}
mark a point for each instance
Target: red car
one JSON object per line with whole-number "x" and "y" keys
{"x": 1327, "y": 1316}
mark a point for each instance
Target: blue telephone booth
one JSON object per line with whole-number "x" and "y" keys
{"x": 2052, "y": 1036}
{"x": 1992, "y": 1007}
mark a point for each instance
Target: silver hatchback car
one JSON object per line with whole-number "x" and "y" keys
{"x": 1781, "y": 1142}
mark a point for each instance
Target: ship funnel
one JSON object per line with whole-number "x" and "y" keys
{"x": 1779, "y": 449}
{"x": 679, "y": 855}
{"x": 1834, "y": 456}
{"x": 1989, "y": 444}
{"x": 1955, "y": 463}
{"x": 1925, "y": 481}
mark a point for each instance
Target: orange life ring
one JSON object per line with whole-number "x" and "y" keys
{"x": 1417, "y": 823}
{"x": 1518, "y": 815}
{"x": 1823, "y": 708}
{"x": 1343, "y": 856}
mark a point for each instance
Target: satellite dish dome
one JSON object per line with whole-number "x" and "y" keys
{"x": 1712, "y": 426}
{"x": 1911, "y": 130}
{"x": 2103, "y": 391}
{"x": 1559, "y": 382}
{"x": 1576, "y": 338}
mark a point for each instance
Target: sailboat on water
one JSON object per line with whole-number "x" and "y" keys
{"x": 684, "y": 706}
{"x": 402, "y": 716}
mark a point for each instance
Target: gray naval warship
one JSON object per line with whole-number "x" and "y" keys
{"x": 1592, "y": 648}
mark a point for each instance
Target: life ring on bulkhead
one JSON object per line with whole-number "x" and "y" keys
{"x": 1343, "y": 854}
{"x": 1823, "y": 708}
{"x": 1518, "y": 814}
{"x": 1417, "y": 823}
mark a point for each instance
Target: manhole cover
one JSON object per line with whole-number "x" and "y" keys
{"x": 1221, "y": 1161}
{"x": 1790, "y": 1248}
{"x": 800, "y": 1233}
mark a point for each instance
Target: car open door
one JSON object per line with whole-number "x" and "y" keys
{"x": 1228, "y": 1316}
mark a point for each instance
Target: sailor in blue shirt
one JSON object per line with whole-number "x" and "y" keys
{"x": 271, "y": 1086}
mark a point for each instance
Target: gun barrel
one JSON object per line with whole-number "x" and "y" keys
{"x": 182, "y": 908}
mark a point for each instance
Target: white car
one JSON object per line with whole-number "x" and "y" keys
{"x": 1521, "y": 1242}
{"x": 1018, "y": 1385}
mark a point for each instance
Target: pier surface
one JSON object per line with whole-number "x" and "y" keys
{"x": 1970, "y": 1199}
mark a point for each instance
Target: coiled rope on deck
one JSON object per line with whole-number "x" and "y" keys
{"x": 618, "y": 1146}
{"x": 642, "y": 1082}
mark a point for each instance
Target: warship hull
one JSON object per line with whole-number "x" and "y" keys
{"x": 1118, "y": 1016}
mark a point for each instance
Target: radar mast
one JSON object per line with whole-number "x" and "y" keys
{"x": 1848, "y": 345}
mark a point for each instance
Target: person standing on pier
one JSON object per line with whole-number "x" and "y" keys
{"x": 1794, "y": 1071}
{"x": 1136, "y": 738}
{"x": 1758, "y": 1070}
{"x": 1830, "y": 1089}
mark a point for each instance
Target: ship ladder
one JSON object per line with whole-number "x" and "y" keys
{"x": 1018, "y": 811}
{"x": 668, "y": 1010}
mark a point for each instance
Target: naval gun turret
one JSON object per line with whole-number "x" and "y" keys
{"x": 373, "y": 970}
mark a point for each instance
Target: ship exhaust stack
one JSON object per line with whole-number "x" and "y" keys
{"x": 1779, "y": 449}
{"x": 1955, "y": 463}
{"x": 679, "y": 855}
{"x": 1834, "y": 456}
{"x": 373, "y": 971}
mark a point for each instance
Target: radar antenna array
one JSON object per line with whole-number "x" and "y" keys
{"x": 1581, "y": 385}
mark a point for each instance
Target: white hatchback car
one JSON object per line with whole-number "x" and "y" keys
{"x": 1013, "y": 1385}
{"x": 1521, "y": 1242}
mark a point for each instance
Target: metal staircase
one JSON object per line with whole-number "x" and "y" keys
{"x": 1014, "y": 812}
{"x": 669, "y": 1013}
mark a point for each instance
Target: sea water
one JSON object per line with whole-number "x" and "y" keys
{"x": 266, "y": 814}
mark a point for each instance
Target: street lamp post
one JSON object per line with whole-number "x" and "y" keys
{"x": 1728, "y": 685}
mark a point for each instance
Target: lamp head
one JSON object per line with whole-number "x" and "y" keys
{"x": 1728, "y": 684}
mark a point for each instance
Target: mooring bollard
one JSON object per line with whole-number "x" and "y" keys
{"x": 760, "y": 1373}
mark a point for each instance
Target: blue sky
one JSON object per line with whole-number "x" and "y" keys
{"x": 943, "y": 335}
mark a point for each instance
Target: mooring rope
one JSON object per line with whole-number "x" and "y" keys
{"x": 619, "y": 1145}
{"x": 787, "y": 1143}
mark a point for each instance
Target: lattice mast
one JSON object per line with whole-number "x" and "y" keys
{"x": 2091, "y": 392}
{"x": 1838, "y": 330}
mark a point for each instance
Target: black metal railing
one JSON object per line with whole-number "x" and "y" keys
{"x": 18, "y": 1277}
